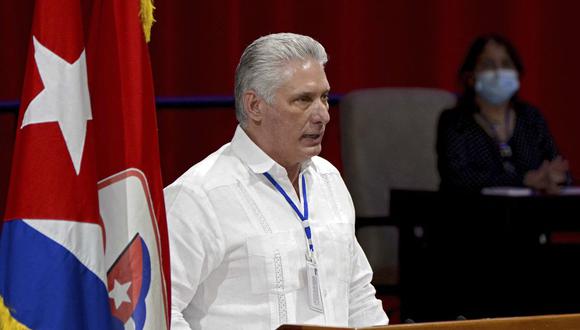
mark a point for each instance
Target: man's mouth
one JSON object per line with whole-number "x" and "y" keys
{"x": 314, "y": 137}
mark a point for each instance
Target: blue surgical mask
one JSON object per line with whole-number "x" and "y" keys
{"x": 497, "y": 86}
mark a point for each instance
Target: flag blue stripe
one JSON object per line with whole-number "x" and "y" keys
{"x": 46, "y": 286}
{"x": 140, "y": 314}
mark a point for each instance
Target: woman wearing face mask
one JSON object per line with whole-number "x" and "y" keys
{"x": 492, "y": 138}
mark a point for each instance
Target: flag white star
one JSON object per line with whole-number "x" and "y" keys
{"x": 119, "y": 293}
{"x": 64, "y": 99}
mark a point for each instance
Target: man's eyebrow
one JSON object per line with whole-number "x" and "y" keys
{"x": 304, "y": 93}
{"x": 311, "y": 92}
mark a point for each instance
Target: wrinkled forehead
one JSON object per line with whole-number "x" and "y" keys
{"x": 303, "y": 74}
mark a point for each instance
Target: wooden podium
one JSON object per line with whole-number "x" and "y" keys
{"x": 548, "y": 322}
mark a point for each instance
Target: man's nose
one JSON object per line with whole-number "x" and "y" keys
{"x": 321, "y": 113}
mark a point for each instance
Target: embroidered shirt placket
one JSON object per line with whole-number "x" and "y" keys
{"x": 278, "y": 269}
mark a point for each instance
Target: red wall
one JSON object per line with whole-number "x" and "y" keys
{"x": 196, "y": 45}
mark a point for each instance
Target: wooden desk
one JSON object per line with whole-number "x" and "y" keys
{"x": 548, "y": 322}
{"x": 486, "y": 256}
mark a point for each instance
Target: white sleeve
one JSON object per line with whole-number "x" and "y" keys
{"x": 364, "y": 308}
{"x": 195, "y": 243}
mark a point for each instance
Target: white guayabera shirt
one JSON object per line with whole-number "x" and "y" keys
{"x": 238, "y": 250}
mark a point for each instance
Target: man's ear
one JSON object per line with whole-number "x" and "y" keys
{"x": 253, "y": 106}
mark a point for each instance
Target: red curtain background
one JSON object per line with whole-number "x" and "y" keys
{"x": 371, "y": 43}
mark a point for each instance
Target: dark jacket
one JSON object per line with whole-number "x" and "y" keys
{"x": 469, "y": 159}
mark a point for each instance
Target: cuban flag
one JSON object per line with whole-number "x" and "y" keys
{"x": 84, "y": 240}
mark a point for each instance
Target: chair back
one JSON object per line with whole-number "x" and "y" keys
{"x": 388, "y": 141}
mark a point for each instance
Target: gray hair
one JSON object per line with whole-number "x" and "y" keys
{"x": 262, "y": 64}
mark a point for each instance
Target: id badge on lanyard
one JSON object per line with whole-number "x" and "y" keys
{"x": 314, "y": 296}
{"x": 312, "y": 271}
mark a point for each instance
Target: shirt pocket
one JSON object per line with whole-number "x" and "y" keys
{"x": 277, "y": 262}
{"x": 336, "y": 242}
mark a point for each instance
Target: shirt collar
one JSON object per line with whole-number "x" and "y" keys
{"x": 255, "y": 158}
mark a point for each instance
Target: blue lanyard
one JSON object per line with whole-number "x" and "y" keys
{"x": 303, "y": 217}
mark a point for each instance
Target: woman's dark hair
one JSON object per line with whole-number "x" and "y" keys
{"x": 470, "y": 61}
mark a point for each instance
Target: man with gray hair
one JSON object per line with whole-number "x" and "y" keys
{"x": 262, "y": 230}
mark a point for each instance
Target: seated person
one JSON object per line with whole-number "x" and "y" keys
{"x": 262, "y": 231}
{"x": 492, "y": 138}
